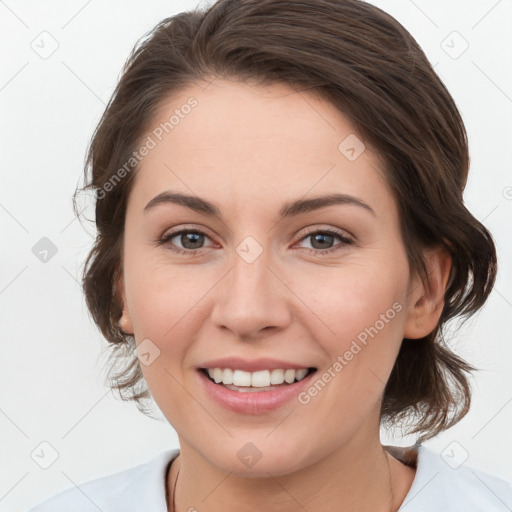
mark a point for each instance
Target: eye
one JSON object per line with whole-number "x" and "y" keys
{"x": 323, "y": 238}
{"x": 191, "y": 239}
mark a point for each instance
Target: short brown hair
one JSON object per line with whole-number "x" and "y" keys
{"x": 368, "y": 66}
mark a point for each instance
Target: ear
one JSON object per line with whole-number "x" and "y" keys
{"x": 125, "y": 322}
{"x": 426, "y": 300}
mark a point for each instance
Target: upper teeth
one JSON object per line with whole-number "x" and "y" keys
{"x": 258, "y": 379}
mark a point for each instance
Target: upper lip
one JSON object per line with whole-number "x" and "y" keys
{"x": 237, "y": 363}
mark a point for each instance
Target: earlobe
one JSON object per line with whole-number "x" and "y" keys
{"x": 426, "y": 300}
{"x": 125, "y": 322}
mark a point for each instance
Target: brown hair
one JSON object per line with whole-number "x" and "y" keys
{"x": 367, "y": 65}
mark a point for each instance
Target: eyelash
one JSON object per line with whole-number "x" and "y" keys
{"x": 191, "y": 252}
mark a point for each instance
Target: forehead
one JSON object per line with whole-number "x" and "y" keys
{"x": 250, "y": 143}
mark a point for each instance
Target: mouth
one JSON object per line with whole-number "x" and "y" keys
{"x": 264, "y": 380}
{"x": 254, "y": 382}
{"x": 253, "y": 400}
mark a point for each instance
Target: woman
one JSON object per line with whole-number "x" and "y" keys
{"x": 281, "y": 240}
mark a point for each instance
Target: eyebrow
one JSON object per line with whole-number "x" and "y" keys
{"x": 290, "y": 209}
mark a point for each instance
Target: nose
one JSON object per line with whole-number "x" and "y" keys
{"x": 252, "y": 298}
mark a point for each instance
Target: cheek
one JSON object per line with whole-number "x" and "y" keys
{"x": 160, "y": 295}
{"x": 358, "y": 319}
{"x": 362, "y": 318}
{"x": 349, "y": 298}
{"x": 163, "y": 304}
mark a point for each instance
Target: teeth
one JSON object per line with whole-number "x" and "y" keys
{"x": 260, "y": 379}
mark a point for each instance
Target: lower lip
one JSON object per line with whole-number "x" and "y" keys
{"x": 257, "y": 402}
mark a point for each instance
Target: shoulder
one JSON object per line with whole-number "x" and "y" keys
{"x": 447, "y": 482}
{"x": 141, "y": 487}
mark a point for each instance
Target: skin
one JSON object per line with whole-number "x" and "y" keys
{"x": 249, "y": 149}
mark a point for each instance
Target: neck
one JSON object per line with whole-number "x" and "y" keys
{"x": 357, "y": 476}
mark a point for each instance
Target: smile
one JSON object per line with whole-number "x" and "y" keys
{"x": 260, "y": 379}
{"x": 244, "y": 398}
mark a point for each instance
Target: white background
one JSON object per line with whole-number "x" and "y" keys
{"x": 51, "y": 386}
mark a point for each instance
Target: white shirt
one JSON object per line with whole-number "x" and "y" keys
{"x": 437, "y": 487}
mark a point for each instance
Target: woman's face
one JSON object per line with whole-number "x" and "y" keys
{"x": 324, "y": 286}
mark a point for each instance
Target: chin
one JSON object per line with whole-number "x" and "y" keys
{"x": 258, "y": 459}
